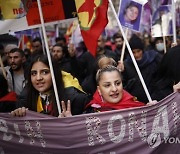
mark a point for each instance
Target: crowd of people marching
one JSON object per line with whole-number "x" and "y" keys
{"x": 87, "y": 84}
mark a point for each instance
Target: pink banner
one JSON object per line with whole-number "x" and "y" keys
{"x": 151, "y": 129}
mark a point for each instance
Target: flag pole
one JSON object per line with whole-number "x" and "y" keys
{"x": 49, "y": 56}
{"x": 42, "y": 38}
{"x": 123, "y": 47}
{"x": 174, "y": 22}
{"x": 57, "y": 30}
{"x": 164, "y": 42}
{"x": 131, "y": 53}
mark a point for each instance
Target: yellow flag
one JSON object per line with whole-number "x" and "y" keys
{"x": 12, "y": 9}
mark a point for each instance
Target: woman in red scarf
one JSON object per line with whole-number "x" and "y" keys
{"x": 110, "y": 94}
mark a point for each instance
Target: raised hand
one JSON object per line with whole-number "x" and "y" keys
{"x": 66, "y": 111}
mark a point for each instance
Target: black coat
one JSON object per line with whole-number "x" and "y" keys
{"x": 168, "y": 74}
{"x": 78, "y": 99}
{"x": 148, "y": 68}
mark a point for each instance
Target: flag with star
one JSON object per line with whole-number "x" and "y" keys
{"x": 92, "y": 15}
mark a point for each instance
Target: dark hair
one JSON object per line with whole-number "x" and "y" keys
{"x": 136, "y": 42}
{"x": 37, "y": 39}
{"x": 131, "y": 4}
{"x": 4, "y": 86}
{"x": 17, "y": 50}
{"x": 60, "y": 45}
{"x": 157, "y": 39}
{"x": 82, "y": 46}
{"x": 33, "y": 93}
{"x": 62, "y": 38}
{"x": 117, "y": 35}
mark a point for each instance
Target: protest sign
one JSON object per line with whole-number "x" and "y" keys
{"x": 130, "y": 14}
{"x": 150, "y": 129}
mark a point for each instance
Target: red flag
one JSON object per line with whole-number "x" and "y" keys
{"x": 92, "y": 15}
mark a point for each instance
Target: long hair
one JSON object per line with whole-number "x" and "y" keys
{"x": 33, "y": 93}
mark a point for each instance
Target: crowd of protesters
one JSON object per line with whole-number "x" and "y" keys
{"x": 86, "y": 83}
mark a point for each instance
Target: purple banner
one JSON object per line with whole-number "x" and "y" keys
{"x": 150, "y": 129}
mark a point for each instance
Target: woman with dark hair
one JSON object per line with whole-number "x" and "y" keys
{"x": 7, "y": 99}
{"x": 131, "y": 12}
{"x": 40, "y": 91}
{"x": 130, "y": 17}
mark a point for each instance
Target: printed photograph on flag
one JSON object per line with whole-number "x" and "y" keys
{"x": 130, "y": 13}
{"x": 162, "y": 21}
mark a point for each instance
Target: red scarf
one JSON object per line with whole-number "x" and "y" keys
{"x": 127, "y": 101}
{"x": 10, "y": 97}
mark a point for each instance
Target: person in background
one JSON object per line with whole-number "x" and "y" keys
{"x": 147, "y": 40}
{"x": 101, "y": 50}
{"x": 58, "y": 53}
{"x": 7, "y": 49}
{"x": 147, "y": 62}
{"x": 7, "y": 99}
{"x": 15, "y": 70}
{"x": 37, "y": 47}
{"x": 159, "y": 46}
{"x": 118, "y": 40}
{"x": 82, "y": 60}
{"x": 62, "y": 41}
{"x": 168, "y": 74}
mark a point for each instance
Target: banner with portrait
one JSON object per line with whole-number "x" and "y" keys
{"x": 149, "y": 129}
{"x": 130, "y": 13}
{"x": 162, "y": 22}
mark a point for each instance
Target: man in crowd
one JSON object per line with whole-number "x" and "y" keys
{"x": 15, "y": 70}
{"x": 37, "y": 46}
{"x": 118, "y": 41}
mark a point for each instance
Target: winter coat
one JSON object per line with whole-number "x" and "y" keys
{"x": 8, "y": 102}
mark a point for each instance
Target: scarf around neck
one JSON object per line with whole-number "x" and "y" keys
{"x": 127, "y": 101}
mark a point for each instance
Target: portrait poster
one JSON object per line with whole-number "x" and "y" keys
{"x": 130, "y": 14}
{"x": 162, "y": 22}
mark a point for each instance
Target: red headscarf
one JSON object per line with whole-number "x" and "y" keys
{"x": 127, "y": 101}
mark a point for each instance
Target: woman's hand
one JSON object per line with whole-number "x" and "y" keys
{"x": 120, "y": 66}
{"x": 152, "y": 103}
{"x": 20, "y": 112}
{"x": 176, "y": 87}
{"x": 66, "y": 111}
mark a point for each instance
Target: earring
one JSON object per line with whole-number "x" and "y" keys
{"x": 102, "y": 98}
